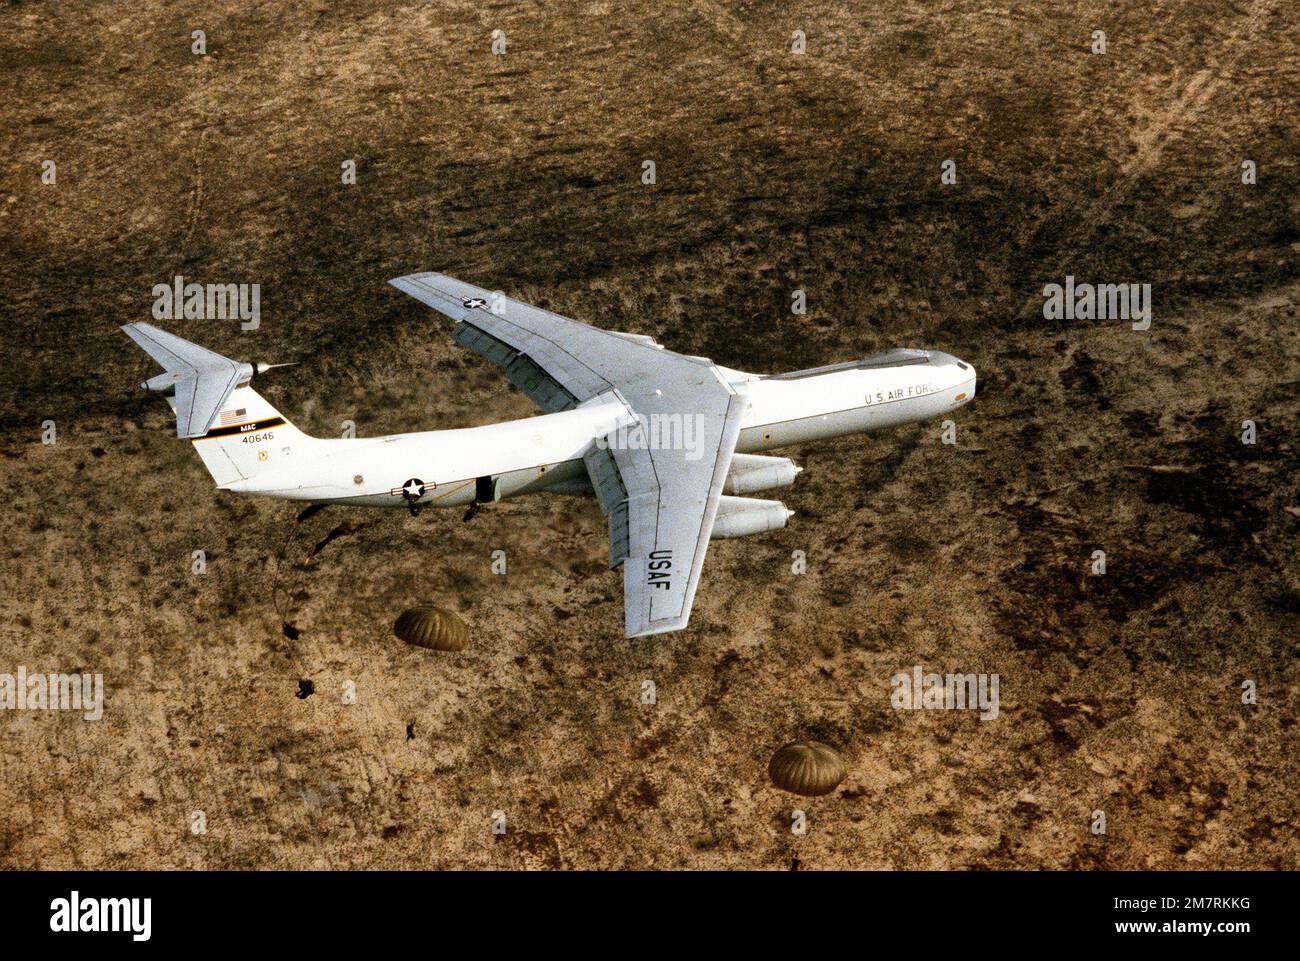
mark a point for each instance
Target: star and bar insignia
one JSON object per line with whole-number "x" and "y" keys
{"x": 412, "y": 490}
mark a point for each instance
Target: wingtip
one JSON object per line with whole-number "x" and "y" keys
{"x": 657, "y": 627}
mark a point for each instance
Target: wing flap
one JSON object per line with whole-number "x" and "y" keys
{"x": 520, "y": 369}
{"x": 619, "y": 536}
{"x": 612, "y": 495}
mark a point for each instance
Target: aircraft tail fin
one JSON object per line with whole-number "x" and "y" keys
{"x": 248, "y": 438}
{"x": 235, "y": 430}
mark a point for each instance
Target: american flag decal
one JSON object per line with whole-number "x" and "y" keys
{"x": 229, "y": 417}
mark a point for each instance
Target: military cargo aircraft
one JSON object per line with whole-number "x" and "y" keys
{"x": 668, "y": 444}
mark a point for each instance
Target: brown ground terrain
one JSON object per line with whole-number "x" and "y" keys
{"x": 1120, "y": 692}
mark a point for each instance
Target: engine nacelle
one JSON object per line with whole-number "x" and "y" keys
{"x": 755, "y": 472}
{"x": 742, "y": 516}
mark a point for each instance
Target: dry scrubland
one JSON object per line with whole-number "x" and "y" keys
{"x": 775, "y": 172}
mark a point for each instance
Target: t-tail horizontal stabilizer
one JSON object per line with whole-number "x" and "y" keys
{"x": 201, "y": 379}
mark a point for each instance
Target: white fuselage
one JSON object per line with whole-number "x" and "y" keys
{"x": 545, "y": 453}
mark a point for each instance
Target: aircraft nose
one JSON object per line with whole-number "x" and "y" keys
{"x": 961, "y": 377}
{"x": 965, "y": 383}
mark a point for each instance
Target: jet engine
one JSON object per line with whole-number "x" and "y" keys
{"x": 741, "y": 516}
{"x": 754, "y": 472}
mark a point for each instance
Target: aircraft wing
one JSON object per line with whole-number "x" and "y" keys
{"x": 661, "y": 506}
{"x": 556, "y": 361}
{"x": 661, "y": 498}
